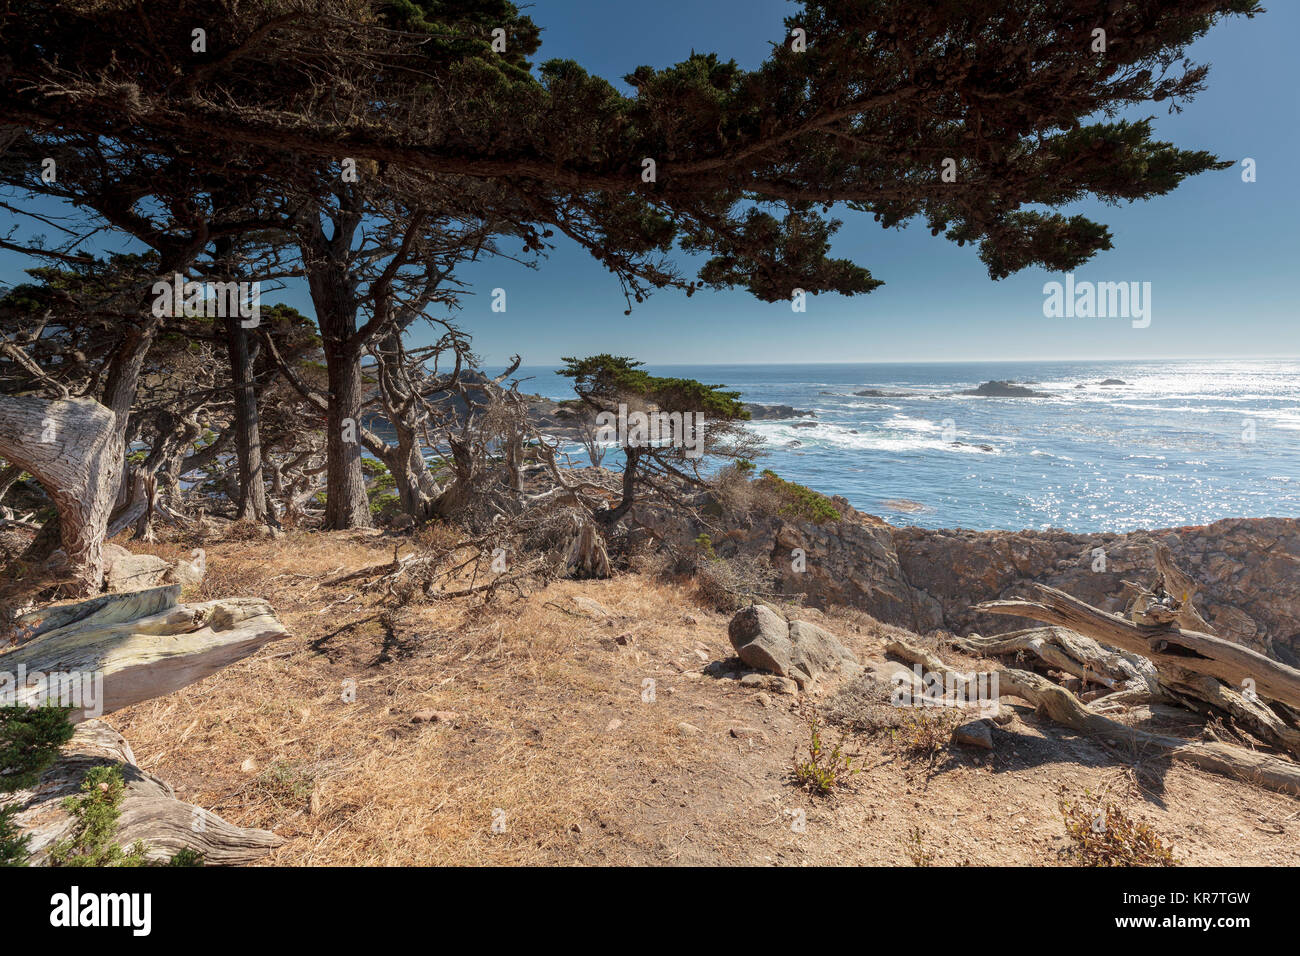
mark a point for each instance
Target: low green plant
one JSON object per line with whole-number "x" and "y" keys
{"x": 917, "y": 851}
{"x": 925, "y": 731}
{"x": 822, "y": 768}
{"x": 30, "y": 738}
{"x": 95, "y": 813}
{"x": 186, "y": 857}
{"x": 13, "y": 845}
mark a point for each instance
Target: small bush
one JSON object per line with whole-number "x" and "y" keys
{"x": 823, "y": 767}
{"x": 730, "y": 583}
{"x": 917, "y": 851}
{"x": 796, "y": 501}
{"x": 287, "y": 784}
{"x": 95, "y": 813}
{"x": 925, "y": 731}
{"x": 30, "y": 738}
{"x": 1101, "y": 834}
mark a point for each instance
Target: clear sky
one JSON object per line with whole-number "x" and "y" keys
{"x": 1221, "y": 254}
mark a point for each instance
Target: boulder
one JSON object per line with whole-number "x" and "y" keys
{"x": 761, "y": 639}
{"x": 975, "y": 733}
{"x": 816, "y": 651}
{"x": 124, "y": 571}
{"x": 799, "y": 650}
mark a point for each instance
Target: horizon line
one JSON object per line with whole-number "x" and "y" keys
{"x": 980, "y": 361}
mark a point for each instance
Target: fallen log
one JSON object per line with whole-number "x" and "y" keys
{"x": 1173, "y": 650}
{"x": 1071, "y": 653}
{"x": 1064, "y": 708}
{"x": 138, "y": 659}
{"x": 150, "y": 811}
{"x": 98, "y": 611}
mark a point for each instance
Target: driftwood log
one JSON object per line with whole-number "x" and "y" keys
{"x": 1201, "y": 670}
{"x": 146, "y": 657}
{"x": 1063, "y": 707}
{"x": 1075, "y": 654}
{"x": 150, "y": 811}
{"x": 112, "y": 651}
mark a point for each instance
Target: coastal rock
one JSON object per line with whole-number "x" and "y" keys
{"x": 816, "y": 651}
{"x": 975, "y": 733}
{"x": 761, "y": 639}
{"x": 1114, "y": 381}
{"x": 923, "y": 579}
{"x": 760, "y": 413}
{"x": 1000, "y": 389}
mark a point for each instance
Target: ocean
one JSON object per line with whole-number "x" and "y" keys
{"x": 1178, "y": 443}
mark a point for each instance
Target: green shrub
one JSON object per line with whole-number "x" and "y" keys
{"x": 13, "y": 845}
{"x": 796, "y": 501}
{"x": 95, "y": 815}
{"x": 30, "y": 738}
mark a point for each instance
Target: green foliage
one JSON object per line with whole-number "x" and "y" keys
{"x": 608, "y": 379}
{"x": 822, "y": 768}
{"x": 95, "y": 814}
{"x": 797, "y": 501}
{"x": 30, "y": 738}
{"x": 13, "y": 845}
{"x": 186, "y": 857}
{"x": 705, "y": 544}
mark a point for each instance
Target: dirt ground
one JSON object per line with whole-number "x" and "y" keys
{"x": 549, "y": 747}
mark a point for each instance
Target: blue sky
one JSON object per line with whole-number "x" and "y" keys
{"x": 1220, "y": 254}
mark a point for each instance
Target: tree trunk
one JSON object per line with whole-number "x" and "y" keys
{"x": 75, "y": 449}
{"x": 251, "y": 504}
{"x": 346, "y": 504}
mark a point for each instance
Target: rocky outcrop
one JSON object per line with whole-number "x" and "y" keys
{"x": 759, "y": 413}
{"x": 1005, "y": 390}
{"x": 924, "y": 579}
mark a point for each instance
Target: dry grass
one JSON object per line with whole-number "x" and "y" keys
{"x": 359, "y": 782}
{"x": 551, "y": 729}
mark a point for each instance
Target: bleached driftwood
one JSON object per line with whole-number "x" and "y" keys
{"x": 147, "y": 657}
{"x": 1071, "y": 653}
{"x": 1173, "y": 650}
{"x": 150, "y": 811}
{"x": 98, "y": 611}
{"x": 1064, "y": 708}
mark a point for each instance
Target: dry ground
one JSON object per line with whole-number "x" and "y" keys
{"x": 552, "y": 740}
